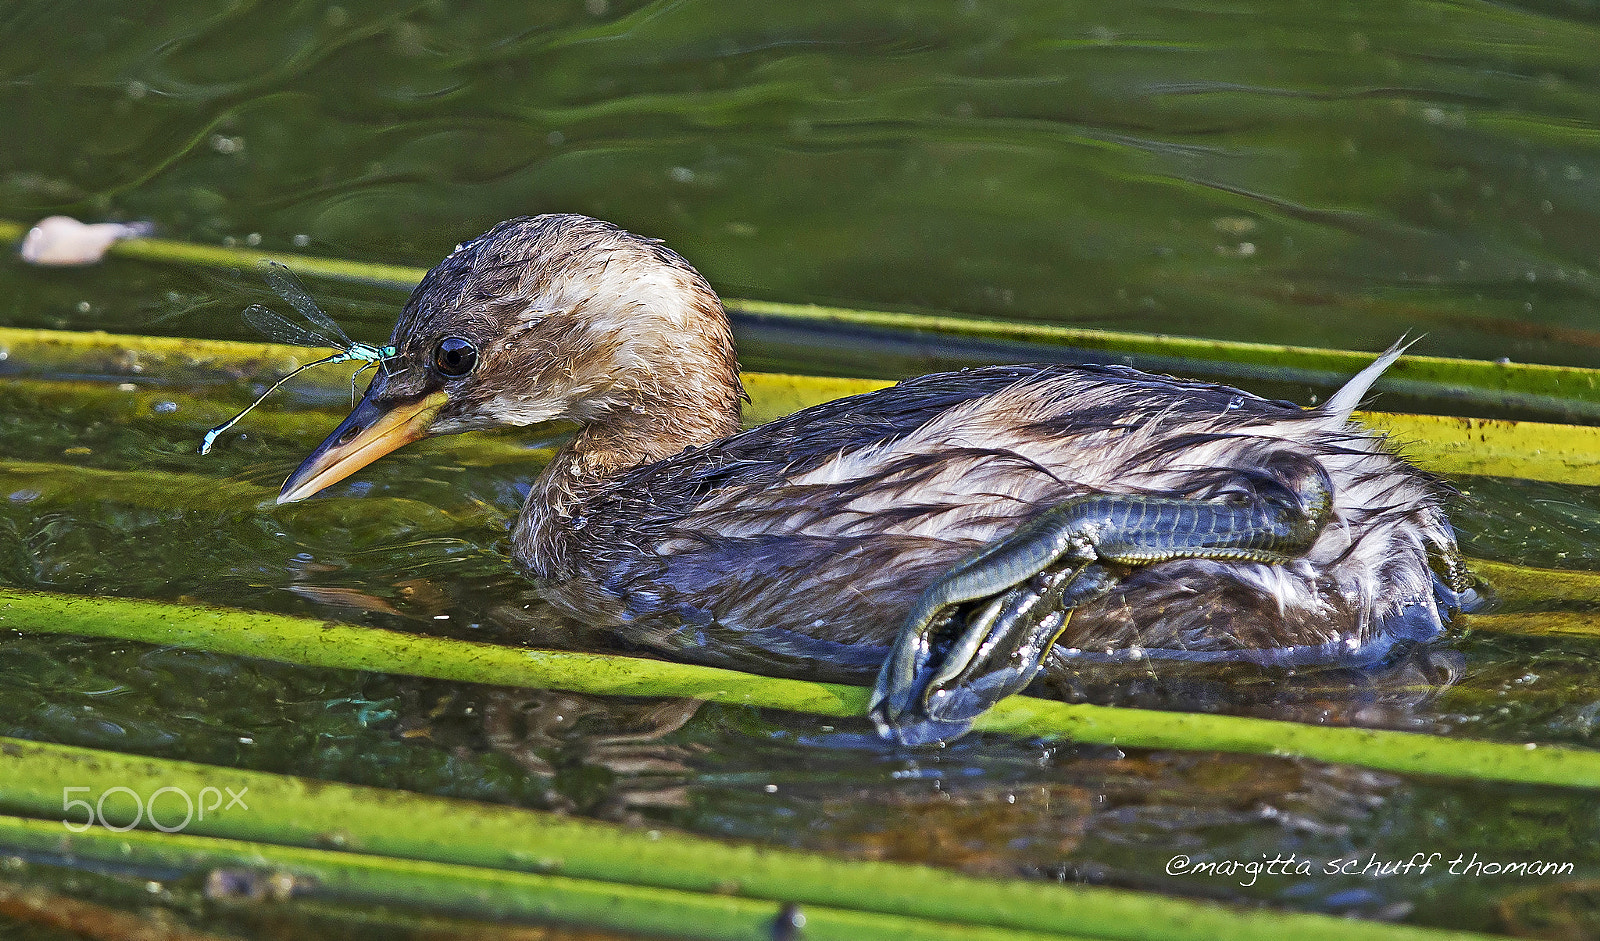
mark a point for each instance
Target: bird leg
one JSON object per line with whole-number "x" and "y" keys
{"x": 1007, "y": 603}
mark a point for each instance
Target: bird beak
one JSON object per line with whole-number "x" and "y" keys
{"x": 370, "y": 432}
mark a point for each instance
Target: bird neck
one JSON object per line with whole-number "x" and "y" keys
{"x": 653, "y": 424}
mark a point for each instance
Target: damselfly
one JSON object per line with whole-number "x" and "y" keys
{"x": 326, "y": 333}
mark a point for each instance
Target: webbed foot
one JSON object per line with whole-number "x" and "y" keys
{"x": 981, "y": 631}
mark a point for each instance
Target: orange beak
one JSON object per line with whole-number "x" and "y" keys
{"x": 370, "y": 432}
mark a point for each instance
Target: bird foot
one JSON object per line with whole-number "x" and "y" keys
{"x": 981, "y": 631}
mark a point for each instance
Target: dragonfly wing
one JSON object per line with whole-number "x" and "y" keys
{"x": 290, "y": 289}
{"x": 275, "y": 328}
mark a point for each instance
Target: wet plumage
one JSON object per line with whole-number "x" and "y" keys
{"x": 803, "y": 543}
{"x": 827, "y": 524}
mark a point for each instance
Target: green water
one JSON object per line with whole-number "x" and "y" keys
{"x": 1306, "y": 173}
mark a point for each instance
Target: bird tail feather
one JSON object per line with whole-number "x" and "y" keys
{"x": 1343, "y": 402}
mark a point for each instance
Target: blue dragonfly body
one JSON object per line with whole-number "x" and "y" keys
{"x": 323, "y": 332}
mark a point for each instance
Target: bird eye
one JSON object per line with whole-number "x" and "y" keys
{"x": 455, "y": 357}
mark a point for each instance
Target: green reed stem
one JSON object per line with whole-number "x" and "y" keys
{"x": 486, "y": 893}
{"x": 1524, "y": 585}
{"x": 1443, "y": 444}
{"x": 327, "y": 644}
{"x": 47, "y": 484}
{"x": 1537, "y": 624}
{"x": 1571, "y": 389}
{"x": 505, "y": 862}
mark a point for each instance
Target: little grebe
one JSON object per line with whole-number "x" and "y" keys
{"x": 955, "y": 534}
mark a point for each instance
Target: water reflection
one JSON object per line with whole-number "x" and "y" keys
{"x": 1394, "y": 694}
{"x": 991, "y": 806}
{"x": 1308, "y": 176}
